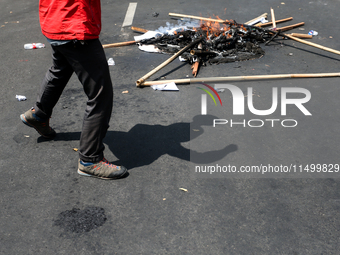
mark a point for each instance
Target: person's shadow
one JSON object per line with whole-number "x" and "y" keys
{"x": 143, "y": 144}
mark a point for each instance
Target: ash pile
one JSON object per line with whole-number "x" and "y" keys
{"x": 221, "y": 43}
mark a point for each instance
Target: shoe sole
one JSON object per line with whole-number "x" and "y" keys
{"x": 23, "y": 119}
{"x": 104, "y": 178}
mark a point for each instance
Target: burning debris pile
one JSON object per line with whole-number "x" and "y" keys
{"x": 218, "y": 41}
{"x": 221, "y": 43}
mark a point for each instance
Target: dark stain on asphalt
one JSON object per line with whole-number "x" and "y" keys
{"x": 80, "y": 221}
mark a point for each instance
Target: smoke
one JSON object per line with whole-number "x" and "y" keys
{"x": 185, "y": 24}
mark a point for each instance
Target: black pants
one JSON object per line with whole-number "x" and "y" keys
{"x": 88, "y": 61}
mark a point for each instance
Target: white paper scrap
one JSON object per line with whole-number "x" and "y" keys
{"x": 20, "y": 98}
{"x": 148, "y": 48}
{"x": 264, "y": 20}
{"x": 167, "y": 86}
{"x": 111, "y": 62}
{"x": 148, "y": 35}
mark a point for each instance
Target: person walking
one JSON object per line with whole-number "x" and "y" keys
{"x": 72, "y": 27}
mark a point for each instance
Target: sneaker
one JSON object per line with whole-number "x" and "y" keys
{"x": 41, "y": 125}
{"x": 103, "y": 169}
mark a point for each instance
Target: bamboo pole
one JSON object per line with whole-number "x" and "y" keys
{"x": 112, "y": 45}
{"x": 273, "y": 18}
{"x": 271, "y": 23}
{"x": 138, "y": 29}
{"x": 196, "y": 17}
{"x": 290, "y": 27}
{"x": 226, "y": 21}
{"x": 105, "y": 46}
{"x": 301, "y": 35}
{"x": 140, "y": 81}
{"x": 242, "y": 78}
{"x": 313, "y": 44}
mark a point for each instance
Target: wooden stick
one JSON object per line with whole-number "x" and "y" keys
{"x": 243, "y": 78}
{"x": 196, "y": 17}
{"x": 264, "y": 15}
{"x": 301, "y": 35}
{"x": 290, "y": 27}
{"x": 140, "y": 81}
{"x": 270, "y": 23}
{"x": 313, "y": 44}
{"x": 105, "y": 46}
{"x": 273, "y": 18}
{"x": 138, "y": 29}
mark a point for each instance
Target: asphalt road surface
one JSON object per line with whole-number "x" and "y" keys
{"x": 169, "y": 203}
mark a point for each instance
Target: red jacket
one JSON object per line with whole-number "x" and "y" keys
{"x": 70, "y": 19}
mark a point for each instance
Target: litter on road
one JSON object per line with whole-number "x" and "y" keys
{"x": 20, "y": 98}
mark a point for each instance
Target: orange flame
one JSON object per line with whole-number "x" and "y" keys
{"x": 214, "y": 28}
